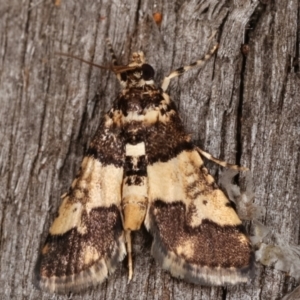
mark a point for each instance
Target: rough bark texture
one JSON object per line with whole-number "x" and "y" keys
{"x": 243, "y": 108}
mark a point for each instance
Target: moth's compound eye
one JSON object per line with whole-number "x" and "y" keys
{"x": 123, "y": 76}
{"x": 148, "y": 72}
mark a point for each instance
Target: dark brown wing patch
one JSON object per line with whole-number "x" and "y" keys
{"x": 208, "y": 254}
{"x": 73, "y": 261}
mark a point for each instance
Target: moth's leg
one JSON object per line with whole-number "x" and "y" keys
{"x": 220, "y": 162}
{"x": 129, "y": 253}
{"x": 201, "y": 62}
{"x": 111, "y": 51}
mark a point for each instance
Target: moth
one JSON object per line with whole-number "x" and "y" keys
{"x": 143, "y": 168}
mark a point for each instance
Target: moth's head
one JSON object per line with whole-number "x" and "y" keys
{"x": 138, "y": 74}
{"x": 137, "y": 59}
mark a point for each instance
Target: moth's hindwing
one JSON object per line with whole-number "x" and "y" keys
{"x": 85, "y": 241}
{"x": 197, "y": 234}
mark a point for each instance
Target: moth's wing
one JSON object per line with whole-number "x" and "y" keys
{"x": 85, "y": 241}
{"x": 197, "y": 234}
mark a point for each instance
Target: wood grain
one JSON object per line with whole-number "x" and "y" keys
{"x": 243, "y": 108}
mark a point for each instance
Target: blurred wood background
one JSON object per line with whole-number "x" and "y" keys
{"x": 243, "y": 107}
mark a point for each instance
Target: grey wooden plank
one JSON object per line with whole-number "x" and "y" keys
{"x": 240, "y": 108}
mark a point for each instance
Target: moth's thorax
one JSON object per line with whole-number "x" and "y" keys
{"x": 140, "y": 100}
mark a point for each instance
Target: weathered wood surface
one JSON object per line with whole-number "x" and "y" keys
{"x": 241, "y": 108}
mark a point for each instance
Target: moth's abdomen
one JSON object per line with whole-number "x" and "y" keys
{"x": 135, "y": 186}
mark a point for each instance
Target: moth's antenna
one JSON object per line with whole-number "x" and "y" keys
{"x": 117, "y": 69}
{"x": 85, "y": 61}
{"x": 114, "y": 60}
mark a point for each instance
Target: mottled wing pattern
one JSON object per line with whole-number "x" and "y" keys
{"x": 85, "y": 241}
{"x": 197, "y": 233}
{"x": 142, "y": 166}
